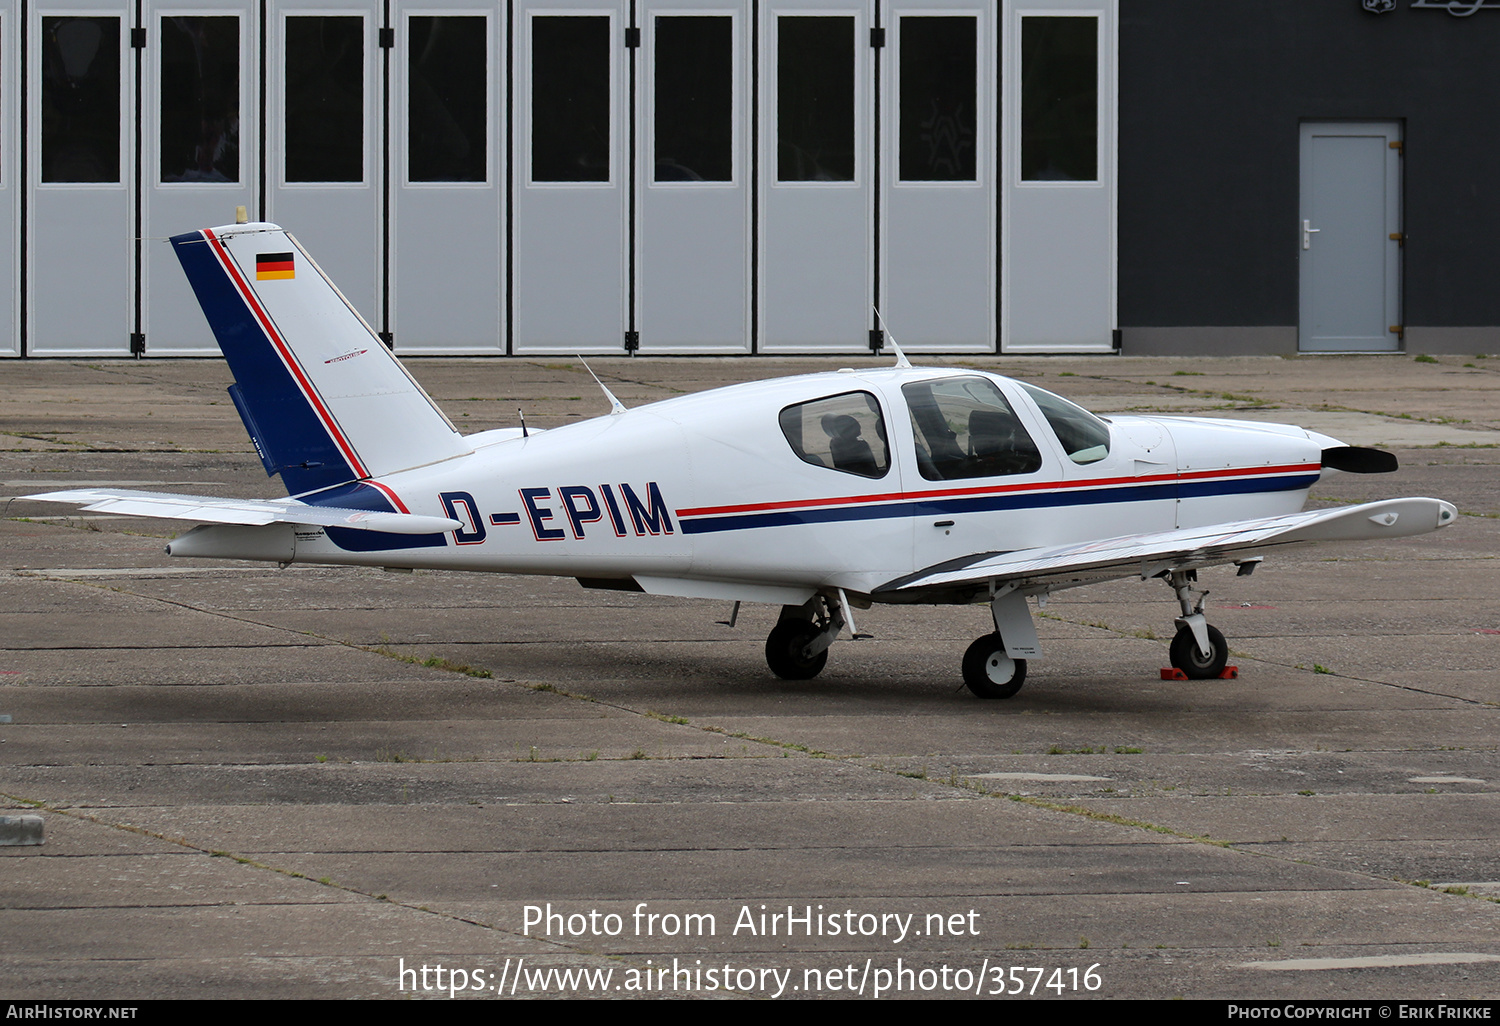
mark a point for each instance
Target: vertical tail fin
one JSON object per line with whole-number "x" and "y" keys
{"x": 323, "y": 399}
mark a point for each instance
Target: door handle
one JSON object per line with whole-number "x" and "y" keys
{"x": 1307, "y": 233}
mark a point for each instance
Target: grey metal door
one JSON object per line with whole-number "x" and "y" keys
{"x": 938, "y": 196}
{"x": 569, "y": 201}
{"x": 1348, "y": 237}
{"x": 325, "y": 140}
{"x": 446, "y": 224}
{"x": 79, "y": 168}
{"x": 692, "y": 179}
{"x": 200, "y": 135}
{"x": 816, "y": 191}
{"x": 10, "y": 110}
{"x": 1058, "y": 217}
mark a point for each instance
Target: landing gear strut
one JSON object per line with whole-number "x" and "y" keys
{"x": 995, "y": 665}
{"x": 1198, "y": 649}
{"x": 797, "y": 647}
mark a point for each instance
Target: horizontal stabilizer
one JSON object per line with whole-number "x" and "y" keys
{"x": 1065, "y": 566}
{"x": 213, "y": 510}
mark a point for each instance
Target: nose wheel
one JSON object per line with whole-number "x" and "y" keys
{"x": 1198, "y": 649}
{"x": 989, "y": 672}
{"x": 1193, "y": 661}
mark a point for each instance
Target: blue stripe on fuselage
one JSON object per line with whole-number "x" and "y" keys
{"x": 358, "y": 495}
{"x": 989, "y": 503}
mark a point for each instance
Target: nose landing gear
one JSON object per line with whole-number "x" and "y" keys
{"x": 1198, "y": 649}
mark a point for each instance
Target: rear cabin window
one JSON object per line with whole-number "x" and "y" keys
{"x": 844, "y": 432}
{"x": 1084, "y": 437}
{"x": 964, "y": 428}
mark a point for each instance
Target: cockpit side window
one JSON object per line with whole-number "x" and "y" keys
{"x": 1084, "y": 437}
{"x": 963, "y": 428}
{"x": 844, "y": 432}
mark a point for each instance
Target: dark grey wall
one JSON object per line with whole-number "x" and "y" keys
{"x": 1211, "y": 96}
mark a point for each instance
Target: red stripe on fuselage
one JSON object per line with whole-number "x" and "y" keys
{"x": 389, "y": 493}
{"x": 287, "y": 359}
{"x": 1031, "y": 486}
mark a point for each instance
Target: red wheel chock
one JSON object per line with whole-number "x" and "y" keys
{"x": 1173, "y": 673}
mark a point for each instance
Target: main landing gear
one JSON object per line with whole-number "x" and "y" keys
{"x": 797, "y": 648}
{"x": 1198, "y": 649}
{"x": 995, "y": 665}
{"x": 989, "y": 672}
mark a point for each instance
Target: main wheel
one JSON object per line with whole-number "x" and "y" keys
{"x": 784, "y": 647}
{"x": 989, "y": 672}
{"x": 1187, "y": 658}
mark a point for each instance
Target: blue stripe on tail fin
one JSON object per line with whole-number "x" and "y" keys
{"x": 291, "y": 437}
{"x": 325, "y": 401}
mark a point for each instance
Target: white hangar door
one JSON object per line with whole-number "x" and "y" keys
{"x": 816, "y": 194}
{"x": 10, "y": 192}
{"x": 692, "y": 259}
{"x": 79, "y": 169}
{"x": 446, "y": 226}
{"x": 570, "y": 197}
{"x": 324, "y": 140}
{"x": 938, "y": 196}
{"x": 1058, "y": 164}
{"x": 200, "y": 143}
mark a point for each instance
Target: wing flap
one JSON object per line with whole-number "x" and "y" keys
{"x": 1129, "y": 555}
{"x": 245, "y": 512}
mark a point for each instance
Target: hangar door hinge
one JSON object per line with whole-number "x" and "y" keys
{"x": 1399, "y": 330}
{"x": 137, "y": 39}
{"x": 387, "y": 39}
{"x": 632, "y": 341}
{"x": 877, "y": 37}
{"x": 137, "y": 343}
{"x": 1399, "y": 146}
{"x": 632, "y": 38}
{"x": 877, "y": 340}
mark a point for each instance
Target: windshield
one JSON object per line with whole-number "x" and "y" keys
{"x": 1084, "y": 437}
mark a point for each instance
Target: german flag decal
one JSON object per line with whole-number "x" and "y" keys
{"x": 274, "y": 265}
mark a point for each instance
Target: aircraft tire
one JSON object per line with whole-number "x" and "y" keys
{"x": 989, "y": 672}
{"x": 1187, "y": 658}
{"x": 784, "y": 648}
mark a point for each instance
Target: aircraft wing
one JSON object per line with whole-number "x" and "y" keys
{"x": 213, "y": 510}
{"x": 1067, "y": 566}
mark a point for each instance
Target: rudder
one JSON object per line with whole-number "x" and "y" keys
{"x": 323, "y": 399}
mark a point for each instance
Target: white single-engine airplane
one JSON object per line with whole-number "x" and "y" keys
{"x": 821, "y": 493}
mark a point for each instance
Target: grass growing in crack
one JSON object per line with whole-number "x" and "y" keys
{"x": 785, "y": 746}
{"x": 665, "y": 718}
{"x": 1101, "y": 750}
{"x": 1109, "y": 817}
{"x": 434, "y": 662}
